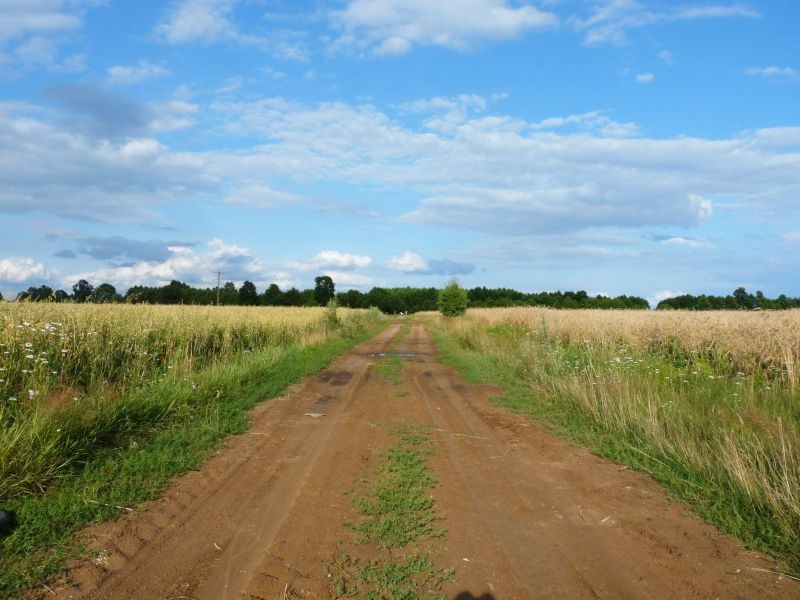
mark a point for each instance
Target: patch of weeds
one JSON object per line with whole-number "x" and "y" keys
{"x": 404, "y": 578}
{"x": 401, "y": 394}
{"x": 398, "y": 508}
{"x": 397, "y": 511}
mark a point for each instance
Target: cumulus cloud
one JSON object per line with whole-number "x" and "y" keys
{"x": 212, "y": 21}
{"x": 19, "y": 270}
{"x": 396, "y": 26}
{"x": 332, "y": 259}
{"x": 609, "y": 20}
{"x": 409, "y": 262}
{"x": 54, "y": 169}
{"x": 479, "y": 171}
{"x": 645, "y": 78}
{"x": 132, "y": 74}
{"x": 198, "y": 21}
{"x": 349, "y": 279}
{"x": 413, "y": 262}
{"x": 236, "y": 263}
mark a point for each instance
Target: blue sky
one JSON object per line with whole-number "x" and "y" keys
{"x": 619, "y": 146}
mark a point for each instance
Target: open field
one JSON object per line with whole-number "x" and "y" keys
{"x": 706, "y": 402}
{"x": 387, "y": 476}
{"x": 384, "y": 474}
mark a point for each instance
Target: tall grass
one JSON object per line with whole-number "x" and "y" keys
{"x": 707, "y": 403}
{"x": 75, "y": 378}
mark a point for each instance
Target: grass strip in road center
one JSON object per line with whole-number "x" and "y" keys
{"x": 397, "y": 514}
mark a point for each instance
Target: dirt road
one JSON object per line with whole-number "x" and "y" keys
{"x": 527, "y": 516}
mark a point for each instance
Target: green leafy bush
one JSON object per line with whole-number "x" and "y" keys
{"x": 453, "y": 299}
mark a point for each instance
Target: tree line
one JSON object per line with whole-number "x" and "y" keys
{"x": 389, "y": 300}
{"x": 740, "y": 299}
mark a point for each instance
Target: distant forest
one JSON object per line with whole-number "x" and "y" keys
{"x": 739, "y": 300}
{"x": 389, "y": 300}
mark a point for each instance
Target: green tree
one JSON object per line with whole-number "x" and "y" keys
{"x": 105, "y": 293}
{"x": 324, "y": 290}
{"x": 273, "y": 296}
{"x": 82, "y": 290}
{"x": 229, "y": 295}
{"x": 248, "y": 294}
{"x": 453, "y": 299}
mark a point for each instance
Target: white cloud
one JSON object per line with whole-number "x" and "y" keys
{"x": 18, "y": 270}
{"x": 645, "y": 78}
{"x": 331, "y": 259}
{"x": 211, "y": 21}
{"x": 31, "y": 30}
{"x": 128, "y": 75}
{"x": 773, "y": 72}
{"x": 396, "y": 26}
{"x": 609, "y": 20}
{"x": 198, "y": 21}
{"x": 349, "y": 279}
{"x": 686, "y": 242}
{"x": 46, "y": 168}
{"x": 341, "y": 260}
{"x": 20, "y": 18}
{"x": 657, "y": 297}
{"x": 484, "y": 172}
{"x": 409, "y": 262}
{"x": 791, "y": 236}
{"x": 592, "y": 122}
{"x": 260, "y": 196}
{"x": 236, "y": 263}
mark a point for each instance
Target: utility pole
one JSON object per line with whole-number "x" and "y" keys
{"x": 219, "y": 274}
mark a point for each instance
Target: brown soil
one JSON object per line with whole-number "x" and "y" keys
{"x": 527, "y": 515}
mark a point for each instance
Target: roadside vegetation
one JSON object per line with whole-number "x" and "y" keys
{"x": 707, "y": 403}
{"x": 101, "y": 405}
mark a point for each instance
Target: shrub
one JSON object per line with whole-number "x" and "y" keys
{"x": 453, "y": 299}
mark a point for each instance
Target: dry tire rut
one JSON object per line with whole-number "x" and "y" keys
{"x": 526, "y": 515}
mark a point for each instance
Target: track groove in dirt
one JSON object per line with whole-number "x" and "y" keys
{"x": 527, "y": 515}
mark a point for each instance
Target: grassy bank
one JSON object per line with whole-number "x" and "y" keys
{"x": 66, "y": 466}
{"x": 714, "y": 418}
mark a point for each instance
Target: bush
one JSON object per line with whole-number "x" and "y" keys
{"x": 453, "y": 300}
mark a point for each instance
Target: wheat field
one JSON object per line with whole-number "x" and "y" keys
{"x": 72, "y": 376}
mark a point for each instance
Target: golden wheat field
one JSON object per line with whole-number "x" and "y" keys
{"x": 751, "y": 339}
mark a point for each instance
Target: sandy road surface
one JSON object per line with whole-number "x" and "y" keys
{"x": 532, "y": 516}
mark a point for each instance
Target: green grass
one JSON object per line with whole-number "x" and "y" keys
{"x": 397, "y": 508}
{"x": 715, "y": 439}
{"x": 397, "y": 513}
{"x": 160, "y": 431}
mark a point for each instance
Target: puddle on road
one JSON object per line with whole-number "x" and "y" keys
{"x": 399, "y": 354}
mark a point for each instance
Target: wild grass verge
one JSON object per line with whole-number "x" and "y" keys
{"x": 723, "y": 440}
{"x": 131, "y": 443}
